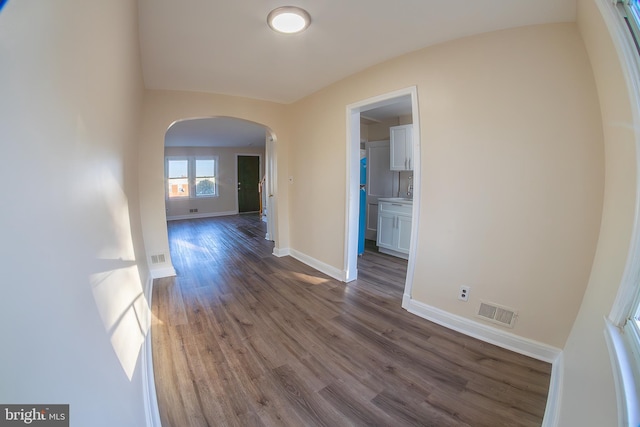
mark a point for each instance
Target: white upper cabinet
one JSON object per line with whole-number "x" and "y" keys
{"x": 401, "y": 148}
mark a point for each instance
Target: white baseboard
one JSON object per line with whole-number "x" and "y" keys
{"x": 318, "y": 265}
{"x": 504, "y": 339}
{"x": 280, "y": 252}
{"x": 201, "y": 215}
{"x": 160, "y": 272}
{"x": 152, "y": 412}
{"x": 483, "y": 332}
{"x": 554, "y": 398}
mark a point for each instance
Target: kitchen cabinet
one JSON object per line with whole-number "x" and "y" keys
{"x": 401, "y": 148}
{"x": 394, "y": 226}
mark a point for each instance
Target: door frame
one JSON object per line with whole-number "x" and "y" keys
{"x": 353, "y": 182}
{"x": 271, "y": 184}
{"x": 260, "y": 173}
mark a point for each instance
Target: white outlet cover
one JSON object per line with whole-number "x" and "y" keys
{"x": 463, "y": 294}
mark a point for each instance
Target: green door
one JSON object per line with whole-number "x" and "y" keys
{"x": 248, "y": 179}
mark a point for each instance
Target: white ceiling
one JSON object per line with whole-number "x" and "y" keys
{"x": 215, "y": 132}
{"x": 226, "y": 47}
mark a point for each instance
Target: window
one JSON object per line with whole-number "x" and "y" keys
{"x": 205, "y": 177}
{"x": 178, "y": 178}
{"x": 189, "y": 177}
{"x": 622, "y": 330}
{"x": 631, "y": 16}
{"x": 630, "y": 12}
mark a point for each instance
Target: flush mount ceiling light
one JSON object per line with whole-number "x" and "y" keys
{"x": 288, "y": 19}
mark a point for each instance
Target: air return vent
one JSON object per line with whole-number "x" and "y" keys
{"x": 497, "y": 314}
{"x": 157, "y": 259}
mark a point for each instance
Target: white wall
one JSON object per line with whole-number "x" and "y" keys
{"x": 72, "y": 312}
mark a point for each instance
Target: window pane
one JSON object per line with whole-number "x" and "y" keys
{"x": 632, "y": 9}
{"x": 178, "y": 177}
{"x": 205, "y": 187}
{"x": 205, "y": 177}
{"x": 205, "y": 168}
{"x": 178, "y": 187}
{"x": 178, "y": 168}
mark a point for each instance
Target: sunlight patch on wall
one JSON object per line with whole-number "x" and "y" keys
{"x": 124, "y": 310}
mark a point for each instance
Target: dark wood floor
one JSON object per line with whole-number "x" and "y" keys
{"x": 242, "y": 338}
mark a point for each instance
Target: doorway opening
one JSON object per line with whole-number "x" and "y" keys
{"x": 226, "y": 142}
{"x": 404, "y": 103}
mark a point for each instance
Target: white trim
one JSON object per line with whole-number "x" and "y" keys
{"x": 318, "y": 265}
{"x": 271, "y": 173}
{"x": 624, "y": 376}
{"x": 201, "y": 215}
{"x": 630, "y": 64}
{"x": 620, "y": 342}
{"x": 152, "y": 412}
{"x": 352, "y": 205}
{"x": 483, "y": 332}
{"x": 554, "y": 397}
{"x": 280, "y": 252}
{"x": 417, "y": 174}
{"x": 160, "y": 272}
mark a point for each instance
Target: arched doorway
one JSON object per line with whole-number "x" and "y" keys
{"x": 201, "y": 175}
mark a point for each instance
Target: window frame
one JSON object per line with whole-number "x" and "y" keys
{"x": 196, "y": 176}
{"x": 622, "y": 330}
{"x": 191, "y": 177}
{"x": 632, "y": 18}
{"x": 168, "y": 179}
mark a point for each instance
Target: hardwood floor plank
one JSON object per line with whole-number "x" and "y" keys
{"x": 313, "y": 410}
{"x": 355, "y": 409}
{"x": 409, "y": 413}
{"x": 243, "y": 338}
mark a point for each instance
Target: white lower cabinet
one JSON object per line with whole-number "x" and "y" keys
{"x": 394, "y": 228}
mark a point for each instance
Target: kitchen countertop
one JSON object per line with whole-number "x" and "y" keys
{"x": 403, "y": 200}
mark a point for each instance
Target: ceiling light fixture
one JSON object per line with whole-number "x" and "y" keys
{"x": 288, "y": 19}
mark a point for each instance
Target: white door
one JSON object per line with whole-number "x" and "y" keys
{"x": 381, "y": 182}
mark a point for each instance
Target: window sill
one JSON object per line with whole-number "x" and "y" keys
{"x": 190, "y": 198}
{"x": 623, "y": 354}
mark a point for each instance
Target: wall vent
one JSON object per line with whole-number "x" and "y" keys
{"x": 157, "y": 259}
{"x": 193, "y": 210}
{"x": 497, "y": 314}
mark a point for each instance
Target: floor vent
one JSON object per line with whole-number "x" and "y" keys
{"x": 157, "y": 259}
{"x": 497, "y": 314}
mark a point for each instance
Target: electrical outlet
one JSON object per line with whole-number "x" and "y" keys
{"x": 463, "y": 294}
